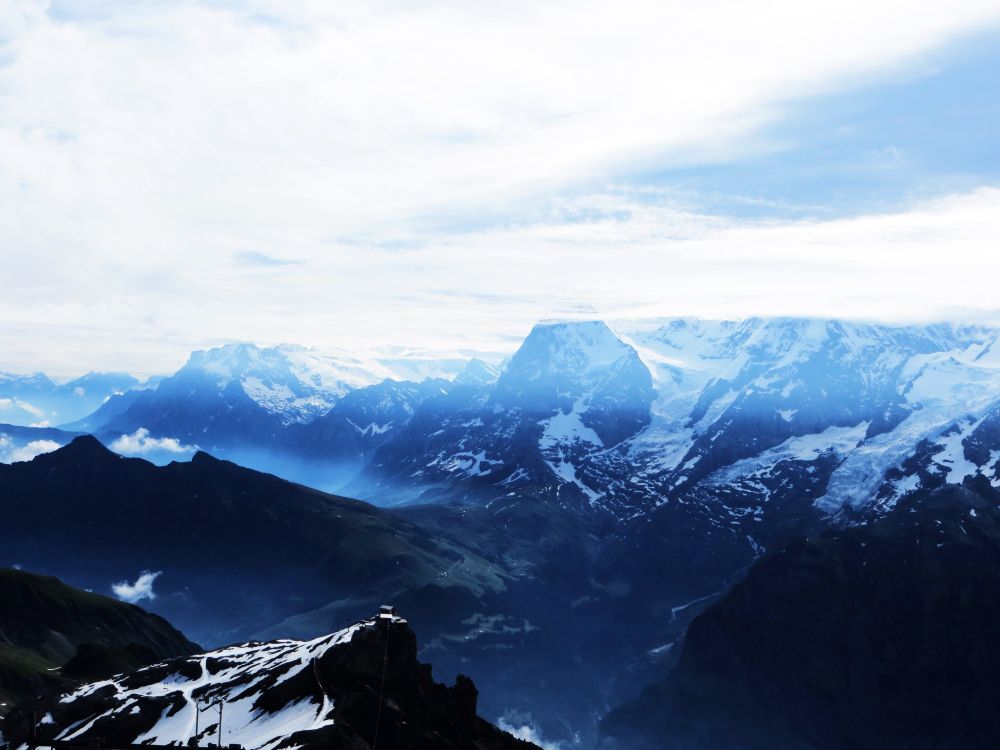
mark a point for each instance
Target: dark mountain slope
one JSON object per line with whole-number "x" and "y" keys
{"x": 359, "y": 688}
{"x": 236, "y": 550}
{"x": 867, "y": 637}
{"x": 45, "y": 625}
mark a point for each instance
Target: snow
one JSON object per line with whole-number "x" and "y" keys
{"x": 566, "y": 471}
{"x": 247, "y": 671}
{"x": 587, "y": 345}
{"x": 301, "y": 383}
{"x": 940, "y": 374}
{"x": 471, "y": 465}
{"x": 940, "y": 387}
{"x": 568, "y": 427}
{"x": 838, "y": 440}
{"x": 952, "y": 455}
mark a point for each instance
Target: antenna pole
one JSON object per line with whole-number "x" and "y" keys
{"x": 221, "y": 704}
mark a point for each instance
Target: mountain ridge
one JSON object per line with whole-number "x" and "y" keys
{"x": 54, "y": 634}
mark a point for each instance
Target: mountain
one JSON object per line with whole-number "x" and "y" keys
{"x": 246, "y": 403}
{"x": 760, "y": 413}
{"x": 232, "y": 395}
{"x": 54, "y": 634}
{"x": 229, "y": 550}
{"x": 34, "y": 400}
{"x": 741, "y": 404}
{"x": 341, "y": 443}
{"x": 503, "y": 593}
{"x": 612, "y": 478}
{"x": 623, "y": 419}
{"x": 477, "y": 372}
{"x": 360, "y": 687}
{"x": 873, "y": 636}
{"x": 569, "y": 395}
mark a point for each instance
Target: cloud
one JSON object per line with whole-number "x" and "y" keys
{"x": 141, "y": 589}
{"x": 253, "y": 258}
{"x": 527, "y": 732}
{"x": 10, "y": 452}
{"x": 31, "y": 409}
{"x": 145, "y": 146}
{"x": 141, "y": 442}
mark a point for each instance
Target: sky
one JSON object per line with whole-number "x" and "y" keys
{"x": 439, "y": 175}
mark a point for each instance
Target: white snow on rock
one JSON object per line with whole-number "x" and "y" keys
{"x": 302, "y": 383}
{"x": 240, "y": 675}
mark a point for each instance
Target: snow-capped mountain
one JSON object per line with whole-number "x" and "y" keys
{"x": 477, "y": 372}
{"x": 790, "y": 395}
{"x": 621, "y": 418}
{"x": 35, "y": 400}
{"x": 571, "y": 392}
{"x": 241, "y": 400}
{"x": 758, "y": 410}
{"x": 286, "y": 383}
{"x": 359, "y": 687}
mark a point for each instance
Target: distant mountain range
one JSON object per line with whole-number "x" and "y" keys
{"x": 620, "y": 420}
{"x": 34, "y": 400}
{"x": 604, "y": 479}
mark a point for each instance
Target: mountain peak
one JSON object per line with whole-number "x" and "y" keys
{"x": 592, "y": 338}
{"x": 227, "y": 361}
{"x": 477, "y": 372}
{"x": 568, "y": 352}
{"x": 84, "y": 447}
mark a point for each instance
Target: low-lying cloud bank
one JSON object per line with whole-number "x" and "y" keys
{"x": 12, "y": 452}
{"x": 140, "y": 442}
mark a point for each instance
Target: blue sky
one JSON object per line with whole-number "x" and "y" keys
{"x": 440, "y": 175}
{"x": 879, "y": 146}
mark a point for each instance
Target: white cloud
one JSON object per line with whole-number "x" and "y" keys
{"x": 527, "y": 732}
{"x": 136, "y": 592}
{"x": 30, "y": 408}
{"x": 6, "y": 403}
{"x": 152, "y": 154}
{"x": 10, "y": 452}
{"x": 140, "y": 441}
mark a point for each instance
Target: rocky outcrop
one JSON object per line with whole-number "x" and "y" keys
{"x": 358, "y": 688}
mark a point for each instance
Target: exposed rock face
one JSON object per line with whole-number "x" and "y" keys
{"x": 867, "y": 637}
{"x": 359, "y": 688}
